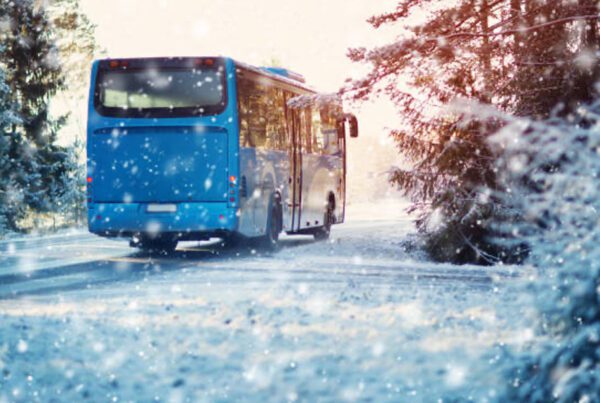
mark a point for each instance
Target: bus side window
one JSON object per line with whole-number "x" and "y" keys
{"x": 305, "y": 131}
{"x": 258, "y": 115}
{"x": 245, "y": 139}
{"x": 289, "y": 119}
{"x": 276, "y": 133}
{"x": 318, "y": 140}
{"x": 293, "y": 119}
{"x": 244, "y": 89}
{"x": 329, "y": 130}
{"x": 253, "y": 114}
{"x": 284, "y": 140}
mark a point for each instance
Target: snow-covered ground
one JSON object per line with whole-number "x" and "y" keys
{"x": 361, "y": 317}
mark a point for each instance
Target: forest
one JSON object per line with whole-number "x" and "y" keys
{"x": 45, "y": 52}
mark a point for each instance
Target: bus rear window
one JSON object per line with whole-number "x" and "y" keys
{"x": 153, "y": 91}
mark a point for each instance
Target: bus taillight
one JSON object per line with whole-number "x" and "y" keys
{"x": 114, "y": 64}
{"x": 232, "y": 183}
{"x": 205, "y": 62}
{"x": 89, "y": 179}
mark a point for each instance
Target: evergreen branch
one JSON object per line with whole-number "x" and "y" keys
{"x": 470, "y": 16}
{"x": 402, "y": 11}
{"x": 520, "y": 30}
{"x": 489, "y": 258}
{"x": 520, "y": 16}
{"x": 553, "y": 63}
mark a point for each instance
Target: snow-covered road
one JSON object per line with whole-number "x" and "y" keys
{"x": 361, "y": 317}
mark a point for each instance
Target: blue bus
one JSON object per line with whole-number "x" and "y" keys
{"x": 198, "y": 147}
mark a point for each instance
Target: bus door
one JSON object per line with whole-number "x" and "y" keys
{"x": 295, "y": 179}
{"x": 341, "y": 196}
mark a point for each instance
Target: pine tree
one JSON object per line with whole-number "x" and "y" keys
{"x": 77, "y": 48}
{"x": 10, "y": 206}
{"x": 517, "y": 55}
{"x": 39, "y": 45}
{"x": 560, "y": 210}
{"x": 555, "y": 64}
{"x": 70, "y": 203}
{"x": 34, "y": 76}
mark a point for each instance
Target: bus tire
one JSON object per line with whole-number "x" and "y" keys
{"x": 270, "y": 241}
{"x": 323, "y": 233}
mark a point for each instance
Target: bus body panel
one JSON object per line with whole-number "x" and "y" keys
{"x": 320, "y": 180}
{"x": 189, "y": 161}
{"x": 147, "y": 164}
{"x": 262, "y": 174}
{"x": 128, "y": 219}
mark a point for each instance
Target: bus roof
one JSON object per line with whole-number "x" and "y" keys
{"x": 275, "y": 73}
{"x": 280, "y": 71}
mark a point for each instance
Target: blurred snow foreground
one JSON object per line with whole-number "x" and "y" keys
{"x": 363, "y": 316}
{"x": 552, "y": 169}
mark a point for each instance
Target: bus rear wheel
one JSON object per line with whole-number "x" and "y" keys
{"x": 270, "y": 241}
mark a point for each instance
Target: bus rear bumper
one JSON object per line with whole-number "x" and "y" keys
{"x": 189, "y": 221}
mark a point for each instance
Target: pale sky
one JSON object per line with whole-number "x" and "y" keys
{"x": 310, "y": 37}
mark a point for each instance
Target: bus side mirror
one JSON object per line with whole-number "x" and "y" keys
{"x": 352, "y": 125}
